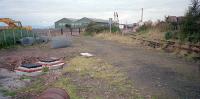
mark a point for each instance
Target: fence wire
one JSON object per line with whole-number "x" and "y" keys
{"x": 10, "y": 37}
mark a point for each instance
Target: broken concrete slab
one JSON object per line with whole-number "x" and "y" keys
{"x": 87, "y": 54}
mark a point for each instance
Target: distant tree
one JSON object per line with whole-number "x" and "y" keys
{"x": 191, "y": 24}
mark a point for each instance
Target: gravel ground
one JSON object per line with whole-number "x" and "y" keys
{"x": 155, "y": 73}
{"x": 3, "y": 97}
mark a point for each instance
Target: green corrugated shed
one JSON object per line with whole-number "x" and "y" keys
{"x": 81, "y": 23}
{"x": 63, "y": 22}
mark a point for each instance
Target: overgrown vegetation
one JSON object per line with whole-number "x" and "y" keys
{"x": 45, "y": 69}
{"x": 115, "y": 37}
{"x": 169, "y": 35}
{"x": 186, "y": 29}
{"x": 144, "y": 28}
{"x": 7, "y": 92}
{"x": 9, "y": 37}
{"x": 151, "y": 34}
{"x": 94, "y": 28}
{"x": 65, "y": 83}
{"x": 36, "y": 87}
{"x": 191, "y": 26}
{"x": 150, "y": 31}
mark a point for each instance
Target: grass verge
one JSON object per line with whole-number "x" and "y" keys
{"x": 65, "y": 83}
{"x": 115, "y": 37}
{"x": 96, "y": 79}
{"x": 151, "y": 34}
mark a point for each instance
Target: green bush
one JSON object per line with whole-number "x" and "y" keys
{"x": 115, "y": 29}
{"x": 88, "y": 34}
{"x": 45, "y": 69}
{"x": 168, "y": 35}
{"x": 145, "y": 27}
{"x": 194, "y": 38}
{"x": 94, "y": 28}
{"x": 191, "y": 24}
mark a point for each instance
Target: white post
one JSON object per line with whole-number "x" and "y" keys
{"x": 110, "y": 24}
{"x": 142, "y": 15}
{"x": 49, "y": 34}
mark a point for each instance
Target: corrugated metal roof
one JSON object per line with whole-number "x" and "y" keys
{"x": 99, "y": 20}
{"x": 68, "y": 19}
{"x": 94, "y": 20}
{"x": 91, "y": 19}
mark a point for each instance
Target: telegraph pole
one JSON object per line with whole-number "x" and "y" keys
{"x": 142, "y": 15}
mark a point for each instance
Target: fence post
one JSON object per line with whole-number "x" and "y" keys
{"x": 4, "y": 37}
{"x": 1, "y": 39}
{"x": 61, "y": 30}
{"x": 27, "y": 33}
{"x": 33, "y": 34}
{"x": 71, "y": 31}
{"x": 21, "y": 33}
{"x": 79, "y": 31}
{"x": 14, "y": 36}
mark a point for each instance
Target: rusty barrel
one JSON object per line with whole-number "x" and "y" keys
{"x": 54, "y": 93}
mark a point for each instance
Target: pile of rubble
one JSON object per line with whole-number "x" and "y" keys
{"x": 11, "y": 81}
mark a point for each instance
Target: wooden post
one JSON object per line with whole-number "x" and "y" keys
{"x": 4, "y": 36}
{"x": 61, "y": 30}
{"x": 14, "y": 36}
{"x": 33, "y": 34}
{"x": 21, "y": 33}
{"x": 79, "y": 31}
{"x": 71, "y": 31}
{"x": 27, "y": 33}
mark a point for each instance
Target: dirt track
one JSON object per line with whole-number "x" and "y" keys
{"x": 155, "y": 73}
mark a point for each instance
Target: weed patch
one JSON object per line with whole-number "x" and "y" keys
{"x": 95, "y": 78}
{"x": 115, "y": 37}
{"x": 36, "y": 87}
{"x": 64, "y": 83}
{"x": 7, "y": 92}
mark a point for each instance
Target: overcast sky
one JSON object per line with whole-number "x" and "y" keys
{"x": 46, "y": 12}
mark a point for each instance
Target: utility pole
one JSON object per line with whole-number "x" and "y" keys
{"x": 142, "y": 15}
{"x": 116, "y": 18}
